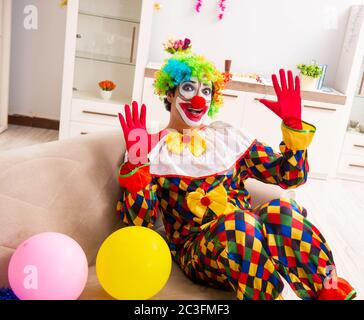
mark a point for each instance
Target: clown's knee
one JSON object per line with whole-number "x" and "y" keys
{"x": 243, "y": 228}
{"x": 283, "y": 206}
{"x": 244, "y": 221}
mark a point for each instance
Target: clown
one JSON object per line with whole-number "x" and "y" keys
{"x": 193, "y": 174}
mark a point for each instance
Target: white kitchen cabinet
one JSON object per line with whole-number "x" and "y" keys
{"x": 351, "y": 165}
{"x": 95, "y": 112}
{"x": 82, "y": 128}
{"x": 265, "y": 126}
{"x": 324, "y": 148}
{"x": 5, "y": 40}
{"x": 354, "y": 144}
{"x": 261, "y": 122}
{"x": 348, "y": 79}
{"x": 231, "y": 112}
{"x": 105, "y": 40}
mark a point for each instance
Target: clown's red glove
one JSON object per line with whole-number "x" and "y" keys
{"x": 137, "y": 139}
{"x": 134, "y": 175}
{"x": 288, "y": 107}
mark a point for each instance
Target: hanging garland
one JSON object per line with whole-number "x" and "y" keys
{"x": 198, "y": 6}
{"x": 222, "y": 8}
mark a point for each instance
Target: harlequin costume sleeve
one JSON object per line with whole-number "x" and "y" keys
{"x": 288, "y": 168}
{"x": 139, "y": 202}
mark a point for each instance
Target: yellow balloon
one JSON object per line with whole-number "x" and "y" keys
{"x": 134, "y": 263}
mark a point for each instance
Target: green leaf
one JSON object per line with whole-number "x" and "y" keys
{"x": 310, "y": 70}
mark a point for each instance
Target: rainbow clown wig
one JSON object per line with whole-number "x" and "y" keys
{"x": 183, "y": 66}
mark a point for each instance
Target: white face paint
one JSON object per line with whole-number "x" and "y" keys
{"x": 186, "y": 91}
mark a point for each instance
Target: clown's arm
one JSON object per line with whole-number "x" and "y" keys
{"x": 138, "y": 205}
{"x": 289, "y": 167}
{"x": 139, "y": 202}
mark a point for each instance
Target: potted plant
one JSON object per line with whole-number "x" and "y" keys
{"x": 106, "y": 89}
{"x": 310, "y": 74}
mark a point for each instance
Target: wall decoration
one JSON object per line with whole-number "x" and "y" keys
{"x": 198, "y": 6}
{"x": 222, "y": 8}
{"x": 173, "y": 46}
{"x": 256, "y": 78}
{"x": 157, "y": 6}
{"x": 63, "y": 3}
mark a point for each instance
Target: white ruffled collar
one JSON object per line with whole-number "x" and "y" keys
{"x": 224, "y": 146}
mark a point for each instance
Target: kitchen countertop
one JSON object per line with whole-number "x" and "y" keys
{"x": 250, "y": 85}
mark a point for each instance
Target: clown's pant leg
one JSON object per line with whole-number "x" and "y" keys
{"x": 248, "y": 250}
{"x": 232, "y": 254}
{"x": 298, "y": 249}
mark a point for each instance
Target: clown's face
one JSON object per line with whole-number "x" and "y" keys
{"x": 192, "y": 101}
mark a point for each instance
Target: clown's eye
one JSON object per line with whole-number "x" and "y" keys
{"x": 188, "y": 87}
{"x": 207, "y": 91}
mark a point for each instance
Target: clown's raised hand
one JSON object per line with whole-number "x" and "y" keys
{"x": 289, "y": 106}
{"x": 139, "y": 142}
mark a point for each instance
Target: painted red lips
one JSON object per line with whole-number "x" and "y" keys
{"x": 193, "y": 113}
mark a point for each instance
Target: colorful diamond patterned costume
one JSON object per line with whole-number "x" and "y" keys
{"x": 214, "y": 234}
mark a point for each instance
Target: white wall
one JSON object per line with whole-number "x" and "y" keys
{"x": 260, "y": 36}
{"x": 37, "y": 60}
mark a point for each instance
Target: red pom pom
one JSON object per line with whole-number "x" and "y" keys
{"x": 343, "y": 291}
{"x": 198, "y": 102}
{"x": 135, "y": 182}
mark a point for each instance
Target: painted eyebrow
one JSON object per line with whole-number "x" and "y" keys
{"x": 190, "y": 81}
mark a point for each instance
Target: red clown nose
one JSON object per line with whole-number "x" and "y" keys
{"x": 198, "y": 102}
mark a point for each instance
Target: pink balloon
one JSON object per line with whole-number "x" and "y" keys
{"x": 48, "y": 266}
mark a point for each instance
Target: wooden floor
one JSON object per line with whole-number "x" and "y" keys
{"x": 18, "y": 136}
{"x": 336, "y": 207}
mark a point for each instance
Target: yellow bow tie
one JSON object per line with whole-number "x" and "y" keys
{"x": 177, "y": 142}
{"x": 216, "y": 200}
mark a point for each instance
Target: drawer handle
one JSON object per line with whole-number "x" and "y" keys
{"x": 230, "y": 95}
{"x": 84, "y": 133}
{"x": 100, "y": 114}
{"x": 358, "y": 146}
{"x": 132, "y": 45}
{"x": 320, "y": 108}
{"x": 356, "y": 166}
